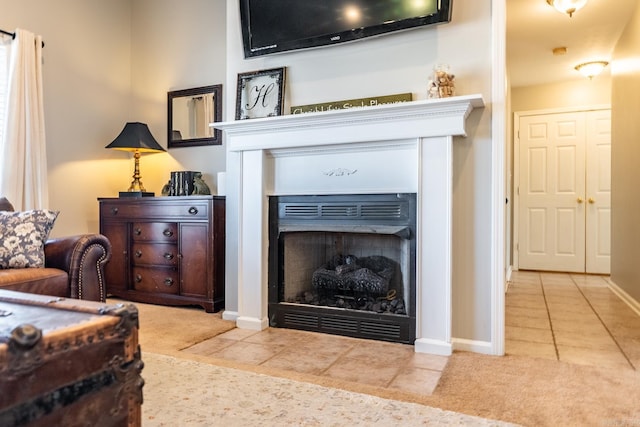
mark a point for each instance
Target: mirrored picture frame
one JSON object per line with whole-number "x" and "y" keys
{"x": 260, "y": 94}
{"x": 189, "y": 115}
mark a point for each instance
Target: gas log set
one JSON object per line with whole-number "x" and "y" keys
{"x": 355, "y": 283}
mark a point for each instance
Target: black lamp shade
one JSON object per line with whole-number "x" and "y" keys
{"x": 136, "y": 137}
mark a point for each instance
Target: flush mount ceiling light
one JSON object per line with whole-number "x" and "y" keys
{"x": 567, "y": 6}
{"x": 591, "y": 69}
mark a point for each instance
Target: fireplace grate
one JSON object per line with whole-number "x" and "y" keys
{"x": 339, "y": 324}
{"x": 391, "y": 330}
{"x": 355, "y": 324}
{"x": 338, "y": 211}
{"x": 301, "y": 320}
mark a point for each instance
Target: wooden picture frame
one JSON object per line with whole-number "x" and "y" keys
{"x": 189, "y": 114}
{"x": 260, "y": 94}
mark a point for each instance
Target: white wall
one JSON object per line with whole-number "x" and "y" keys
{"x": 87, "y": 87}
{"x": 109, "y": 62}
{"x": 573, "y": 93}
{"x": 625, "y": 158}
{"x": 402, "y": 63}
{"x": 176, "y": 45}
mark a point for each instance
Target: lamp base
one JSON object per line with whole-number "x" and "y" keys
{"x": 136, "y": 194}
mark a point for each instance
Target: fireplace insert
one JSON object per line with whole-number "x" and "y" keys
{"x": 344, "y": 264}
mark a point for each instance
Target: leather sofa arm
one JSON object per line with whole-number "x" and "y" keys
{"x": 83, "y": 257}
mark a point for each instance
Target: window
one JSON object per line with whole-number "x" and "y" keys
{"x": 4, "y": 68}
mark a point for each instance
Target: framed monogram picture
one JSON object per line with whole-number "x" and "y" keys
{"x": 260, "y": 94}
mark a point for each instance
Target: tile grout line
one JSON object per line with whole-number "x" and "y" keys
{"x": 396, "y": 376}
{"x": 604, "y": 325}
{"x": 340, "y": 356}
{"x": 546, "y": 304}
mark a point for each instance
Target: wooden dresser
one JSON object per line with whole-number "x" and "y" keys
{"x": 166, "y": 250}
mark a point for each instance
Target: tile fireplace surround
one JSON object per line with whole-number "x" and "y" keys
{"x": 397, "y": 148}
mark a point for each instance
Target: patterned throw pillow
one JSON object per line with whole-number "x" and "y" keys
{"x": 22, "y": 237}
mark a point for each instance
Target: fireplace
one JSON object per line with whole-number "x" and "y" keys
{"x": 388, "y": 149}
{"x": 344, "y": 264}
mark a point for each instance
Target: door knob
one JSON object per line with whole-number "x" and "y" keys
{"x": 591, "y": 200}
{"x": 579, "y": 199}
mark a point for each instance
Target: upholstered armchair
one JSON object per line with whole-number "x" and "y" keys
{"x": 73, "y": 266}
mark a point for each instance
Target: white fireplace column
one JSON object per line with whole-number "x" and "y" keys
{"x": 398, "y": 148}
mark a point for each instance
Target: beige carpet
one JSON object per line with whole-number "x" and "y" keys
{"x": 522, "y": 390}
{"x": 180, "y": 392}
{"x": 170, "y": 329}
{"x": 538, "y": 392}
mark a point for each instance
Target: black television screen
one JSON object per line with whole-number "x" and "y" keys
{"x": 270, "y": 26}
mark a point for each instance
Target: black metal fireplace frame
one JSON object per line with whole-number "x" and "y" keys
{"x": 369, "y": 213}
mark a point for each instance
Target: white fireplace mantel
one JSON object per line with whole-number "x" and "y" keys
{"x": 404, "y": 147}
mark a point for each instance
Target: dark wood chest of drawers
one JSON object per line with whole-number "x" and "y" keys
{"x": 166, "y": 250}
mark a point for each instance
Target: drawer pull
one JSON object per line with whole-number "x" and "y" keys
{"x": 138, "y": 278}
{"x": 114, "y": 211}
{"x": 193, "y": 210}
{"x": 168, "y": 256}
{"x": 137, "y": 231}
{"x": 167, "y": 233}
{"x": 138, "y": 253}
{"x": 168, "y": 281}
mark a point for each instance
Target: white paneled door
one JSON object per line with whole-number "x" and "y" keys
{"x": 564, "y": 191}
{"x": 598, "y": 196}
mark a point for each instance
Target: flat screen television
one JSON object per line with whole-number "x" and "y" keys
{"x": 271, "y": 26}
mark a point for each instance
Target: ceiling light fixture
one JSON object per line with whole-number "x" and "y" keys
{"x": 567, "y": 6}
{"x": 559, "y": 51}
{"x": 591, "y": 69}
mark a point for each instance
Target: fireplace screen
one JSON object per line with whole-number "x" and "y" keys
{"x": 344, "y": 265}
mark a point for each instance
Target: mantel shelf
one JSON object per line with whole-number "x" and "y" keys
{"x": 425, "y": 118}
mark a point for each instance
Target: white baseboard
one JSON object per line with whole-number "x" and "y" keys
{"x": 426, "y": 345}
{"x": 252, "y": 323}
{"x": 230, "y": 315}
{"x": 507, "y": 278}
{"x": 482, "y": 347}
{"x": 624, "y": 296}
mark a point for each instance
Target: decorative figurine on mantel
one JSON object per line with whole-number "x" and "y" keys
{"x": 442, "y": 84}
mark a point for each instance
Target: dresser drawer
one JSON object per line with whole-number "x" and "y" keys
{"x": 170, "y": 210}
{"x": 156, "y": 280}
{"x": 154, "y": 231}
{"x": 154, "y": 254}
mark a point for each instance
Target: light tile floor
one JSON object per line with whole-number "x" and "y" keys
{"x": 569, "y": 317}
{"x": 574, "y": 318}
{"x": 376, "y": 363}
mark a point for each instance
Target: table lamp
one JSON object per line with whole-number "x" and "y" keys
{"x": 136, "y": 138}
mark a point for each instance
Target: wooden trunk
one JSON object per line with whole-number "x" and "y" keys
{"x": 66, "y": 362}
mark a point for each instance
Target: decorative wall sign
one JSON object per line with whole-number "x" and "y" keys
{"x": 260, "y": 94}
{"x": 353, "y": 103}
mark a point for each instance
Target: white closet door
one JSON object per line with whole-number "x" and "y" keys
{"x": 598, "y": 177}
{"x": 552, "y": 192}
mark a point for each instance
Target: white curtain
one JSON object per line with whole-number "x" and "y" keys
{"x": 207, "y": 103}
{"x": 23, "y": 177}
